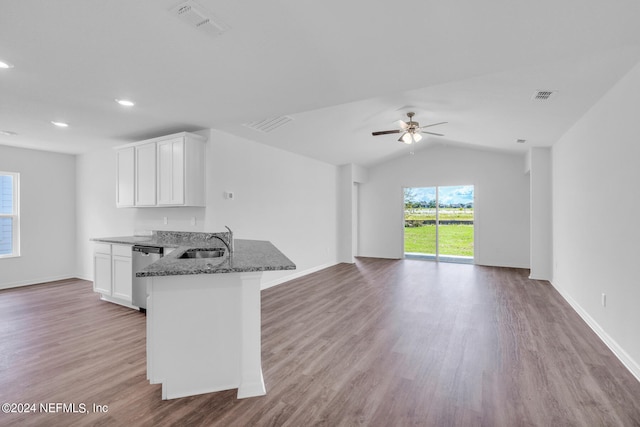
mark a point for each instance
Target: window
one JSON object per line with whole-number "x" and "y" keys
{"x": 9, "y": 214}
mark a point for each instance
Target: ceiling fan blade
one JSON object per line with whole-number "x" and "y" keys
{"x": 432, "y": 133}
{"x": 402, "y": 136}
{"x": 385, "y": 132}
{"x": 403, "y": 125}
{"x": 435, "y": 124}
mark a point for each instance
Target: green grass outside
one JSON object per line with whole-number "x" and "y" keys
{"x": 445, "y": 214}
{"x": 454, "y": 239}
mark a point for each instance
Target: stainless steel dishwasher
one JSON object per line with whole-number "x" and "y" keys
{"x": 142, "y": 257}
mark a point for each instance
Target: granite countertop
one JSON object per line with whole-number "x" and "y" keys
{"x": 248, "y": 255}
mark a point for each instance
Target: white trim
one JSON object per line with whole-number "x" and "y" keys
{"x": 84, "y": 277}
{"x": 11, "y": 255}
{"x": 617, "y": 350}
{"x": 38, "y": 281}
{"x": 281, "y": 280}
{"x": 118, "y": 301}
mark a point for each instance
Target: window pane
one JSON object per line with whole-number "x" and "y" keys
{"x": 456, "y": 221}
{"x": 6, "y": 236}
{"x": 6, "y": 194}
{"x": 420, "y": 221}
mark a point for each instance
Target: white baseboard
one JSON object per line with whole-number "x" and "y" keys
{"x": 536, "y": 277}
{"x": 297, "y": 274}
{"x": 36, "y": 281}
{"x": 265, "y": 285}
{"x": 118, "y": 301}
{"x": 617, "y": 350}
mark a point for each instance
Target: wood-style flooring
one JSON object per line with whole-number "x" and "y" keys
{"x": 378, "y": 343}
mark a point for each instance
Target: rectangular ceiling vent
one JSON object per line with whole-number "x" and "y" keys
{"x": 268, "y": 125}
{"x": 544, "y": 95}
{"x": 196, "y": 16}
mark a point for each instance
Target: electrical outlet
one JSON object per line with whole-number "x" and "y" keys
{"x": 604, "y": 300}
{"x": 193, "y": 220}
{"x": 165, "y": 220}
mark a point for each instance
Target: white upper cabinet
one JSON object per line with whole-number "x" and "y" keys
{"x": 171, "y": 172}
{"x": 145, "y": 175}
{"x": 181, "y": 171}
{"x": 166, "y": 171}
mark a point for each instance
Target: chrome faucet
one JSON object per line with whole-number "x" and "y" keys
{"x": 228, "y": 242}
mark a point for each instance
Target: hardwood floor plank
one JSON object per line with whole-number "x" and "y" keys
{"x": 377, "y": 343}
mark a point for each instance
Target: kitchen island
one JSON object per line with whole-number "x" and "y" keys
{"x": 203, "y": 314}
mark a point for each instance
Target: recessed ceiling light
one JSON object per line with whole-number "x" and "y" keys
{"x": 125, "y": 102}
{"x": 59, "y": 124}
{"x": 7, "y": 133}
{"x": 4, "y": 64}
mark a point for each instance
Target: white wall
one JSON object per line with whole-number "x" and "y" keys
{"x": 539, "y": 166}
{"x": 279, "y": 196}
{"x": 595, "y": 205}
{"x": 285, "y": 198}
{"x": 47, "y": 217}
{"x": 350, "y": 176}
{"x": 501, "y": 208}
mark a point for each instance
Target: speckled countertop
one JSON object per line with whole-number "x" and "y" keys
{"x": 248, "y": 255}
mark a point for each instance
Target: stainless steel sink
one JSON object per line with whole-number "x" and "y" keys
{"x": 197, "y": 253}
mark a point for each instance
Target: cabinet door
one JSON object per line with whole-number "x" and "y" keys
{"x": 102, "y": 273}
{"x": 125, "y": 176}
{"x": 145, "y": 175}
{"x": 171, "y": 172}
{"x": 122, "y": 277}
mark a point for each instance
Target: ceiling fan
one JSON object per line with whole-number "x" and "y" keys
{"x": 410, "y": 131}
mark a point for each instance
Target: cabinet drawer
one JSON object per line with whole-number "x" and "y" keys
{"x": 102, "y": 248}
{"x": 121, "y": 250}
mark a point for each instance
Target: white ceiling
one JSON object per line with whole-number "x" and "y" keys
{"x": 339, "y": 69}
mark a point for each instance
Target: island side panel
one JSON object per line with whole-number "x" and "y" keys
{"x": 195, "y": 333}
{"x": 251, "y": 379}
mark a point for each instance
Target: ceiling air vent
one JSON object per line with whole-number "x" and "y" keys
{"x": 196, "y": 16}
{"x": 268, "y": 125}
{"x": 543, "y": 95}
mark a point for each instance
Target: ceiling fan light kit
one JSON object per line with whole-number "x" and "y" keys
{"x": 411, "y": 131}
{"x": 409, "y": 138}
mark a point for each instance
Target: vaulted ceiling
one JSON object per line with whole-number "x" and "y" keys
{"x": 337, "y": 70}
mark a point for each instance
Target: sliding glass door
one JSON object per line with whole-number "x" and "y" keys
{"x": 438, "y": 223}
{"x": 420, "y": 231}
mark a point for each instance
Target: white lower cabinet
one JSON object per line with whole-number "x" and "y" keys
{"x": 112, "y": 276}
{"x": 102, "y": 269}
{"x": 122, "y": 267}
